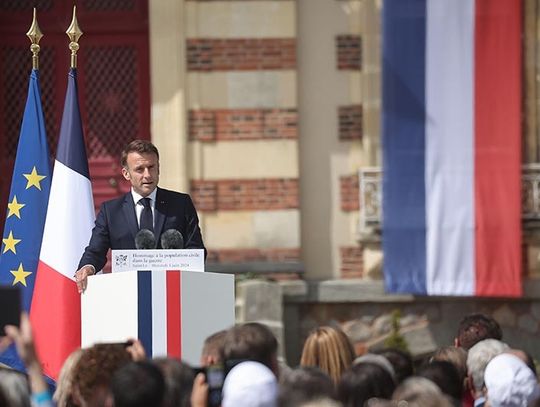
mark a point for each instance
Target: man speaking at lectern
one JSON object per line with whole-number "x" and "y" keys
{"x": 145, "y": 207}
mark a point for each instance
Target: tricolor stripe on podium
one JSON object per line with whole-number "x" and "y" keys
{"x": 159, "y": 314}
{"x": 171, "y": 312}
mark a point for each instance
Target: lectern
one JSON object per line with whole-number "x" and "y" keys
{"x": 171, "y": 311}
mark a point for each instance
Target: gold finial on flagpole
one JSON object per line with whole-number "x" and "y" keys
{"x": 74, "y": 33}
{"x": 35, "y": 35}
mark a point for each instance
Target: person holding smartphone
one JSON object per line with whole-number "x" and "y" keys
{"x": 24, "y": 342}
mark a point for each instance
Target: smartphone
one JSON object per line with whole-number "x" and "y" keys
{"x": 215, "y": 376}
{"x": 10, "y": 307}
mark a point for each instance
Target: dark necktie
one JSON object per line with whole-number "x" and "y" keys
{"x": 147, "y": 220}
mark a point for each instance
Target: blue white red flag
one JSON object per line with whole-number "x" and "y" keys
{"x": 27, "y": 206}
{"x": 55, "y": 312}
{"x": 452, "y": 147}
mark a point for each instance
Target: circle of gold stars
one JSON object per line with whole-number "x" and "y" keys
{"x": 33, "y": 179}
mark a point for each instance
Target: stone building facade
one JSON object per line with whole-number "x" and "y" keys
{"x": 272, "y": 109}
{"x": 268, "y": 113}
{"x": 271, "y": 119}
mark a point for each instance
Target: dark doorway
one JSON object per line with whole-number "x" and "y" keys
{"x": 114, "y": 82}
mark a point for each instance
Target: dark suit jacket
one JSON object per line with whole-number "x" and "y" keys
{"x": 116, "y": 225}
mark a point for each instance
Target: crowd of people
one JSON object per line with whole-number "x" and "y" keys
{"x": 240, "y": 367}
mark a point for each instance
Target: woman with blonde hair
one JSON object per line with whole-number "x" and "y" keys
{"x": 330, "y": 350}
{"x": 63, "y": 396}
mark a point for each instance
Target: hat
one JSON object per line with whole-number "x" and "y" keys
{"x": 510, "y": 382}
{"x": 250, "y": 384}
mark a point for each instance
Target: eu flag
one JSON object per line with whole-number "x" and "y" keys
{"x": 28, "y": 200}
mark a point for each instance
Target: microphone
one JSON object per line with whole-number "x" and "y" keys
{"x": 172, "y": 239}
{"x": 145, "y": 239}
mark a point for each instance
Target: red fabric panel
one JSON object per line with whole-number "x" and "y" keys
{"x": 56, "y": 319}
{"x": 498, "y": 70}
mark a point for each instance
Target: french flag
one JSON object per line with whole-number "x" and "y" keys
{"x": 452, "y": 147}
{"x": 55, "y": 312}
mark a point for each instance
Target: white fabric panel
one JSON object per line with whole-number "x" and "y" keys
{"x": 69, "y": 222}
{"x": 159, "y": 314}
{"x": 449, "y": 161}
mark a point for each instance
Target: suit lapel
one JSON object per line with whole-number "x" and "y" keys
{"x": 130, "y": 214}
{"x": 160, "y": 214}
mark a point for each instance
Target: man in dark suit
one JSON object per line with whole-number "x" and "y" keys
{"x": 145, "y": 207}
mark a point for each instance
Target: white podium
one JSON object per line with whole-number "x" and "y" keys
{"x": 170, "y": 311}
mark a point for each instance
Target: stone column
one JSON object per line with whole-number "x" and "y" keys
{"x": 167, "y": 74}
{"x": 371, "y": 80}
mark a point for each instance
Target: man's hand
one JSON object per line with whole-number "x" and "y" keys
{"x": 81, "y": 277}
{"x": 199, "y": 392}
{"x": 136, "y": 350}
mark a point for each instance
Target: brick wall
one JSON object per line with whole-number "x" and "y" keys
{"x": 350, "y": 122}
{"x": 202, "y": 125}
{"x": 352, "y": 264}
{"x": 244, "y": 54}
{"x": 242, "y": 124}
{"x": 247, "y": 105}
{"x": 204, "y": 195}
{"x": 349, "y": 52}
{"x": 242, "y": 194}
{"x": 350, "y": 193}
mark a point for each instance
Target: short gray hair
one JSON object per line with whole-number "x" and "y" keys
{"x": 377, "y": 360}
{"x": 14, "y": 387}
{"x": 420, "y": 392}
{"x": 478, "y": 358}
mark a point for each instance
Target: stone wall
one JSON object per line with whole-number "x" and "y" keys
{"x": 363, "y": 310}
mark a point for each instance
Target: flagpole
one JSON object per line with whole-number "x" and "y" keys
{"x": 35, "y": 35}
{"x": 74, "y": 33}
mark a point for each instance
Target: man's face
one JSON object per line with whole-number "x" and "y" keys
{"x": 142, "y": 171}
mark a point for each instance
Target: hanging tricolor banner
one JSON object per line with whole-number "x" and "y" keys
{"x": 452, "y": 147}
